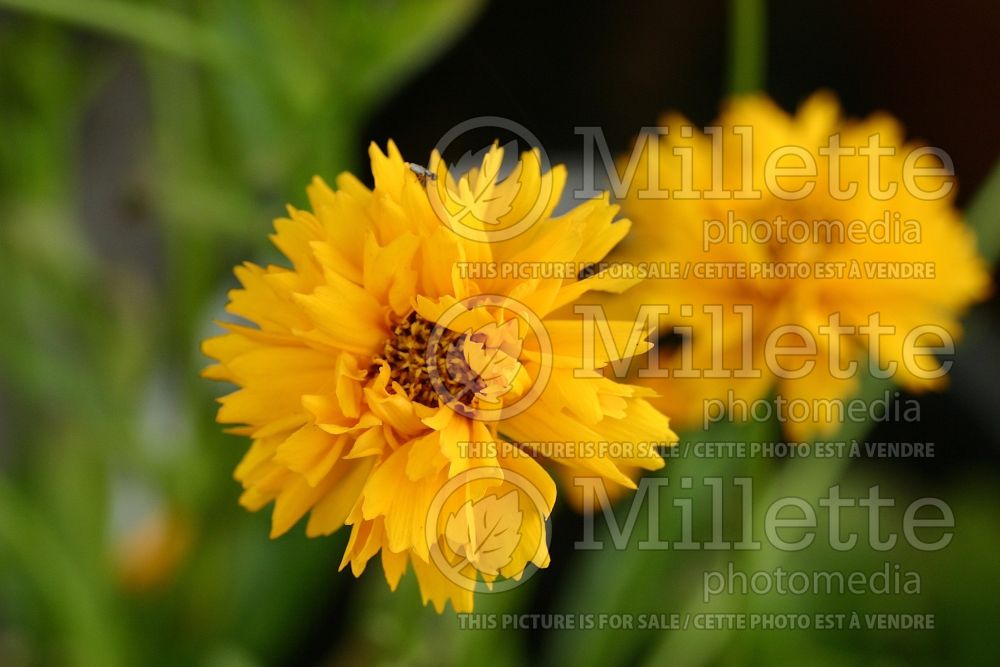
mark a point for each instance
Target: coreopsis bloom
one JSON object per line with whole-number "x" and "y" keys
{"x": 391, "y": 378}
{"x": 774, "y": 233}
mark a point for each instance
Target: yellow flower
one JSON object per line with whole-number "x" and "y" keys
{"x": 389, "y": 384}
{"x": 803, "y": 218}
{"x": 152, "y": 550}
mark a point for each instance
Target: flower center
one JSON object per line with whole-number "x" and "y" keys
{"x": 427, "y": 375}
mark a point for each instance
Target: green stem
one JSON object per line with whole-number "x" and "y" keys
{"x": 747, "y": 45}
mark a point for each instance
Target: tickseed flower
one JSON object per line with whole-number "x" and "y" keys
{"x": 387, "y": 388}
{"x": 769, "y": 232}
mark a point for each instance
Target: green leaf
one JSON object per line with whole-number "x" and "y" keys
{"x": 70, "y": 594}
{"x": 145, "y": 24}
{"x": 983, "y": 214}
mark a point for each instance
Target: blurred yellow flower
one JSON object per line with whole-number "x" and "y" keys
{"x": 386, "y": 388}
{"x": 777, "y": 238}
{"x": 152, "y": 550}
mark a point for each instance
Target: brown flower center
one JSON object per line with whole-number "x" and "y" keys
{"x": 427, "y": 375}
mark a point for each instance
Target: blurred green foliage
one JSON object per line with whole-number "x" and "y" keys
{"x": 108, "y": 426}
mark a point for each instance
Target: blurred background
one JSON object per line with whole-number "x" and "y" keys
{"x": 144, "y": 149}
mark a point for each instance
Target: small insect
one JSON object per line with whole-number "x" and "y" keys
{"x": 423, "y": 174}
